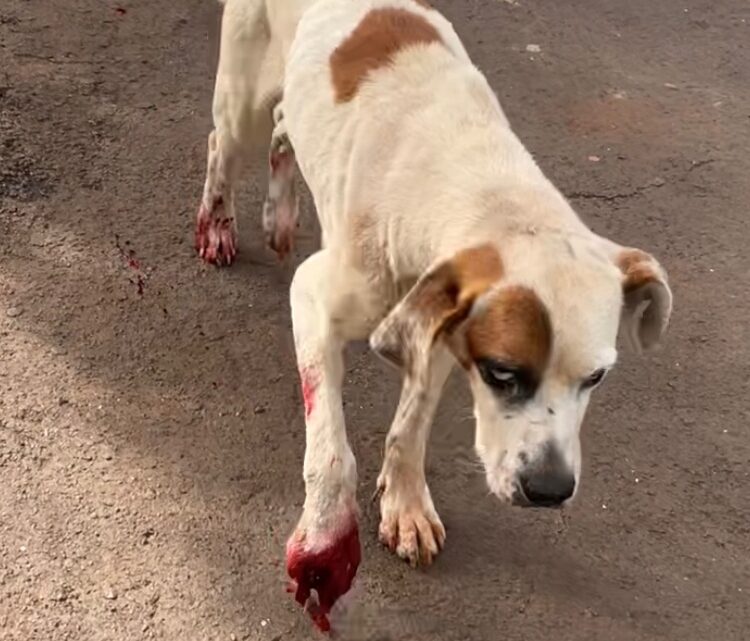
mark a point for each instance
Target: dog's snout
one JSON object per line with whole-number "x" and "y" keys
{"x": 548, "y": 489}
{"x": 548, "y": 481}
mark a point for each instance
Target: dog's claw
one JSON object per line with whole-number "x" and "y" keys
{"x": 409, "y": 524}
{"x": 215, "y": 235}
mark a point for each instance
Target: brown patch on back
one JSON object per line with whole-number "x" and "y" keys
{"x": 380, "y": 35}
{"x": 637, "y": 268}
{"x": 514, "y": 328}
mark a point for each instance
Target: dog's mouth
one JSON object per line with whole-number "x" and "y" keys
{"x": 518, "y": 498}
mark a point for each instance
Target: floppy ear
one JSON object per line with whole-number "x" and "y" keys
{"x": 434, "y": 307}
{"x": 648, "y": 299}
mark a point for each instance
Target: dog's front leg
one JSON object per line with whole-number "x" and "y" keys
{"x": 409, "y": 524}
{"x": 324, "y": 551}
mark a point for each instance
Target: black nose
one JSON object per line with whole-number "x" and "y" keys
{"x": 547, "y": 482}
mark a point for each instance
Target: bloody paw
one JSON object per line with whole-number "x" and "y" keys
{"x": 215, "y": 234}
{"x": 329, "y": 569}
{"x": 281, "y": 207}
{"x": 279, "y": 224}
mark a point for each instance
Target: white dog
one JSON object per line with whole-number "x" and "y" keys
{"x": 443, "y": 243}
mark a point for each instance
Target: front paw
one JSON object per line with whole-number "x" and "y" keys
{"x": 409, "y": 524}
{"x": 323, "y": 558}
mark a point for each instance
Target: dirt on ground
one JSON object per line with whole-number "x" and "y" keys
{"x": 151, "y": 428}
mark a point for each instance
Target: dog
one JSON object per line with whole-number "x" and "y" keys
{"x": 443, "y": 243}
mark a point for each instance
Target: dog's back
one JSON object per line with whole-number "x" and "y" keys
{"x": 397, "y": 134}
{"x": 384, "y": 108}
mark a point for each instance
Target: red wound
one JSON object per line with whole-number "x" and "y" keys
{"x": 281, "y": 161}
{"x": 329, "y": 571}
{"x": 309, "y": 388}
{"x": 215, "y": 238}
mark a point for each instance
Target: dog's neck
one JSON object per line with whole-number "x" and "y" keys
{"x": 525, "y": 216}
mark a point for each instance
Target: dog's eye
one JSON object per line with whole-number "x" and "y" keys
{"x": 503, "y": 379}
{"x": 594, "y": 380}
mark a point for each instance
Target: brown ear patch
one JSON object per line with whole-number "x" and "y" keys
{"x": 380, "y": 35}
{"x": 435, "y": 305}
{"x": 446, "y": 294}
{"x": 472, "y": 272}
{"x": 477, "y": 268}
{"x": 514, "y": 328}
{"x": 637, "y": 268}
{"x": 647, "y": 298}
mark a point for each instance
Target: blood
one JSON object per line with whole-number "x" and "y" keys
{"x": 215, "y": 239}
{"x": 131, "y": 262}
{"x": 278, "y": 160}
{"x": 309, "y": 387}
{"x": 330, "y": 572}
{"x": 201, "y": 232}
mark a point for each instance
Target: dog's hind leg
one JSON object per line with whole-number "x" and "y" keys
{"x": 248, "y": 81}
{"x": 216, "y": 223}
{"x": 281, "y": 207}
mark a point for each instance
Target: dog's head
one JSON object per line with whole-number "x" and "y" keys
{"x": 535, "y": 329}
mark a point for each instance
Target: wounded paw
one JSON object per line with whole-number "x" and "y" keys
{"x": 280, "y": 223}
{"x": 281, "y": 207}
{"x": 216, "y": 234}
{"x": 409, "y": 524}
{"x": 325, "y": 563}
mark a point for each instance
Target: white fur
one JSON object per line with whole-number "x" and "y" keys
{"x": 425, "y": 162}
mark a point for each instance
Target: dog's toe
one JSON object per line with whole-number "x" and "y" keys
{"x": 411, "y": 529}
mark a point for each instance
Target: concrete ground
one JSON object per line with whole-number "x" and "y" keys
{"x": 151, "y": 432}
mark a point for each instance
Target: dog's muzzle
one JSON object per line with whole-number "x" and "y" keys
{"x": 545, "y": 482}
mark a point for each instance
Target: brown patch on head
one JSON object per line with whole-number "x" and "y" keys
{"x": 435, "y": 305}
{"x": 514, "y": 328}
{"x": 476, "y": 269}
{"x": 423, "y": 3}
{"x": 445, "y": 296}
{"x": 637, "y": 268}
{"x": 471, "y": 272}
{"x": 380, "y": 35}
